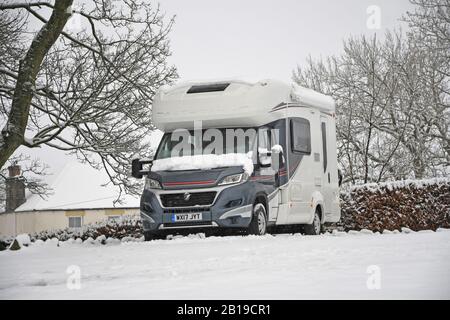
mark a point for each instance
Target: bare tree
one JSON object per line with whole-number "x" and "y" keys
{"x": 430, "y": 22}
{"x": 387, "y": 116}
{"x": 392, "y": 98}
{"x": 87, "y": 92}
{"x": 430, "y": 29}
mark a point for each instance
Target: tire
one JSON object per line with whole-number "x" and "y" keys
{"x": 258, "y": 225}
{"x": 314, "y": 228}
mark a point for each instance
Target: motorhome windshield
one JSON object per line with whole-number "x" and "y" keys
{"x": 207, "y": 141}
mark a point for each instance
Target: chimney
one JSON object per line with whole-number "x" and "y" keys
{"x": 15, "y": 189}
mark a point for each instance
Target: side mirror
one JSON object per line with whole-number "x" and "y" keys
{"x": 264, "y": 157}
{"x": 340, "y": 177}
{"x": 137, "y": 168}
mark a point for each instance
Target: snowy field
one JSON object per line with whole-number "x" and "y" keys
{"x": 339, "y": 266}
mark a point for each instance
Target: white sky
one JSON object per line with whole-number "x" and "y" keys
{"x": 213, "y": 39}
{"x": 257, "y": 38}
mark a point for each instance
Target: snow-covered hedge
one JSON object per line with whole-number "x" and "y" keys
{"x": 400, "y": 205}
{"x": 418, "y": 205}
{"x": 127, "y": 227}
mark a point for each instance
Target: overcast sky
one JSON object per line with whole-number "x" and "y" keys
{"x": 258, "y": 38}
{"x": 213, "y": 39}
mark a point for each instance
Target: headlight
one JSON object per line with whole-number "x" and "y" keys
{"x": 152, "y": 184}
{"x": 234, "y": 178}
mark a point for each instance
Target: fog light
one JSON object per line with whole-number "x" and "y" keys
{"x": 234, "y": 203}
{"x": 147, "y": 207}
{"x": 146, "y": 218}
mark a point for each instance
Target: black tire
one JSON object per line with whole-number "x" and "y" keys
{"x": 314, "y": 228}
{"x": 148, "y": 236}
{"x": 258, "y": 225}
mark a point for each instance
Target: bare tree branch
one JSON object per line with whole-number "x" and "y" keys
{"x": 93, "y": 89}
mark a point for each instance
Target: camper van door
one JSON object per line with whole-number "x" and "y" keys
{"x": 327, "y": 189}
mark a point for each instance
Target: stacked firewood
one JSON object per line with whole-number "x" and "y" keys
{"x": 415, "y": 205}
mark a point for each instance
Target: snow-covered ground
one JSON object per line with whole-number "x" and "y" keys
{"x": 339, "y": 266}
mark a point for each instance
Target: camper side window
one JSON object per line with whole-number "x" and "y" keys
{"x": 300, "y": 136}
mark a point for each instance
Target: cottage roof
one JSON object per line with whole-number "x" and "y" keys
{"x": 79, "y": 186}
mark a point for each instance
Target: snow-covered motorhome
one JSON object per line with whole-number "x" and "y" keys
{"x": 240, "y": 154}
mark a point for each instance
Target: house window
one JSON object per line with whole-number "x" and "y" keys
{"x": 75, "y": 222}
{"x": 114, "y": 218}
{"x": 300, "y": 136}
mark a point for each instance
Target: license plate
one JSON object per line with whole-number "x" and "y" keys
{"x": 185, "y": 217}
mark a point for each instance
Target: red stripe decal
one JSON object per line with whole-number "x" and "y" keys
{"x": 261, "y": 177}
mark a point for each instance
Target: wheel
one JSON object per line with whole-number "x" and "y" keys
{"x": 258, "y": 225}
{"x": 148, "y": 236}
{"x": 314, "y": 228}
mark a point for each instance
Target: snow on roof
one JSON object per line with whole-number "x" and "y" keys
{"x": 309, "y": 97}
{"x": 79, "y": 186}
{"x": 244, "y": 80}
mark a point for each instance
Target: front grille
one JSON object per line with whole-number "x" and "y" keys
{"x": 195, "y": 199}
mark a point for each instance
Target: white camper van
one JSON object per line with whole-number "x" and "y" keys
{"x": 240, "y": 155}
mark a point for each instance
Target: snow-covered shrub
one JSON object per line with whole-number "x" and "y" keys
{"x": 5, "y": 242}
{"x": 23, "y": 239}
{"x": 128, "y": 226}
{"x": 417, "y": 205}
{"x": 15, "y": 245}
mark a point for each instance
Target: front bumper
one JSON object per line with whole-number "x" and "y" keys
{"x": 231, "y": 208}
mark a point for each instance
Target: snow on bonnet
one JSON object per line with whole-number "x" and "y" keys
{"x": 204, "y": 162}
